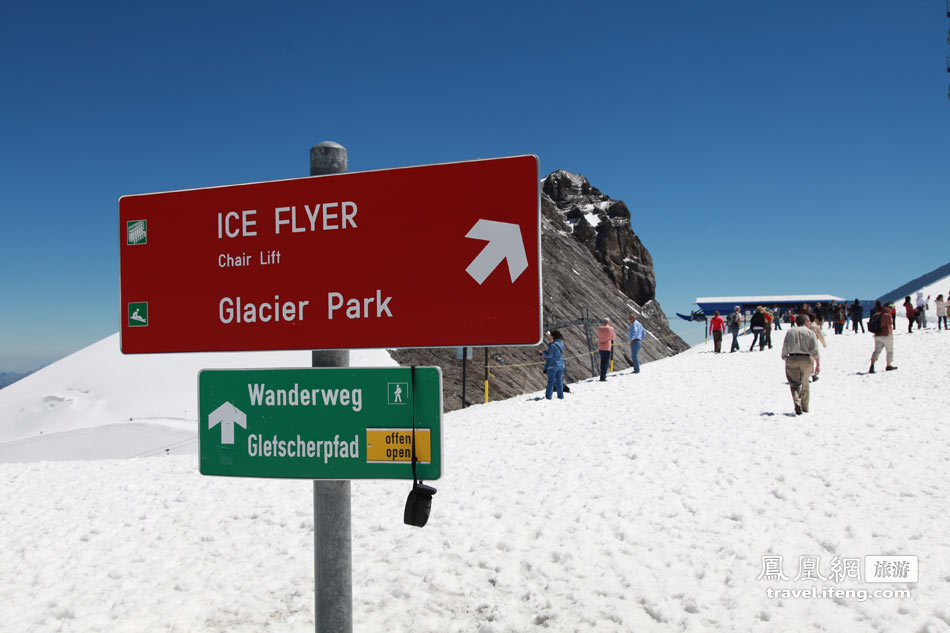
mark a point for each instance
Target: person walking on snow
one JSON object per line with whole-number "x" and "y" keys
{"x": 605, "y": 339}
{"x": 840, "y": 314}
{"x": 816, "y": 328}
{"x": 734, "y": 322}
{"x": 554, "y": 365}
{"x": 812, "y": 325}
{"x": 800, "y": 353}
{"x": 922, "y": 308}
{"x": 884, "y": 340}
{"x": 857, "y": 313}
{"x": 758, "y": 329}
{"x": 718, "y": 327}
{"x": 911, "y": 312}
{"x": 941, "y": 308}
{"x": 635, "y": 335}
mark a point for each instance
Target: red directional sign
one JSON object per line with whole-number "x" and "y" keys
{"x": 432, "y": 256}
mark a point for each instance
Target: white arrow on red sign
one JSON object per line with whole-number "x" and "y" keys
{"x": 504, "y": 242}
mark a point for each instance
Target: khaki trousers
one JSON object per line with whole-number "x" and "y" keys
{"x": 885, "y": 343}
{"x": 798, "y": 371}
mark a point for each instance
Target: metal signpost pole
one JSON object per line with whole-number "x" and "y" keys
{"x": 332, "y": 560}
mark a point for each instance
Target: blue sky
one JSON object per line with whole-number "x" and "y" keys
{"x": 763, "y": 148}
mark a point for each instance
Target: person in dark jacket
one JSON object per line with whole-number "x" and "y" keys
{"x": 857, "y": 313}
{"x": 840, "y": 312}
{"x": 757, "y": 322}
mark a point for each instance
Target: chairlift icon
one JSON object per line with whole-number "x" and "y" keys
{"x": 137, "y": 232}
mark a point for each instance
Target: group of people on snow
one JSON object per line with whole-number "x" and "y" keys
{"x": 761, "y": 324}
{"x": 800, "y": 349}
{"x": 916, "y": 311}
{"x": 764, "y": 320}
{"x": 802, "y": 356}
{"x": 554, "y": 354}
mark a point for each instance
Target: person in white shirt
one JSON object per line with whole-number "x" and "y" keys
{"x": 941, "y": 308}
{"x": 800, "y": 353}
{"x": 635, "y": 335}
{"x": 922, "y": 310}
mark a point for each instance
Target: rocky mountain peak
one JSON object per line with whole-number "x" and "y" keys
{"x": 602, "y": 225}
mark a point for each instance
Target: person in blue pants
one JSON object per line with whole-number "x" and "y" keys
{"x": 554, "y": 365}
{"x": 635, "y": 335}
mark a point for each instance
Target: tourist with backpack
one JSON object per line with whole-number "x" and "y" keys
{"x": 874, "y": 323}
{"x": 882, "y": 321}
{"x": 734, "y": 323}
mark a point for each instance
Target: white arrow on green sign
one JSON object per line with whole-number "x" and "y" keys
{"x": 321, "y": 423}
{"x": 227, "y": 415}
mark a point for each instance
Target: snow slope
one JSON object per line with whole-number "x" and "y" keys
{"x": 647, "y": 503}
{"x": 99, "y": 403}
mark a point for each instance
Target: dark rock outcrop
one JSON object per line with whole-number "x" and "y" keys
{"x": 593, "y": 267}
{"x": 625, "y": 259}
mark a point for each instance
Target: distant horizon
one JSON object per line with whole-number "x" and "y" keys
{"x": 27, "y": 363}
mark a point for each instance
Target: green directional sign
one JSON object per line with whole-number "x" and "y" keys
{"x": 321, "y": 423}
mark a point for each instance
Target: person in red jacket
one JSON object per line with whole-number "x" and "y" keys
{"x": 911, "y": 311}
{"x": 768, "y": 327}
{"x": 717, "y": 326}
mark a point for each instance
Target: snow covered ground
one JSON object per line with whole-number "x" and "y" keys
{"x": 652, "y": 502}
